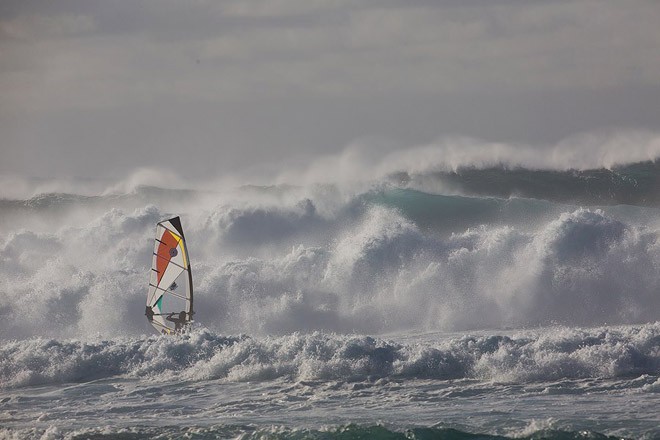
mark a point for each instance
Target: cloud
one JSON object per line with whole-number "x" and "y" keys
{"x": 288, "y": 76}
{"x": 33, "y": 27}
{"x": 253, "y": 49}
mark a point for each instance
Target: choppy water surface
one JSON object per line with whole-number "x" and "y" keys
{"x": 522, "y": 383}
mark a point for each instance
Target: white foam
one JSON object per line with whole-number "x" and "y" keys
{"x": 273, "y": 266}
{"x": 550, "y": 355}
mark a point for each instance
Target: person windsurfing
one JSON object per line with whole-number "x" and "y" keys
{"x": 179, "y": 321}
{"x": 169, "y": 305}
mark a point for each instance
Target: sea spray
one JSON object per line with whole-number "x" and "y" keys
{"x": 387, "y": 260}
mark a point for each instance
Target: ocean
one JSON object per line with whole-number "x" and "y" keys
{"x": 478, "y": 302}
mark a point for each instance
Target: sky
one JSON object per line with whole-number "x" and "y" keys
{"x": 98, "y": 88}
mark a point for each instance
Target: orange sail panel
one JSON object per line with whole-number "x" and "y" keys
{"x": 167, "y": 249}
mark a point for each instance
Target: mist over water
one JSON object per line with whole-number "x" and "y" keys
{"x": 468, "y": 248}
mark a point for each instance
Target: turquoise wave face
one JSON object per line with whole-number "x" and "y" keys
{"x": 454, "y": 213}
{"x": 633, "y": 184}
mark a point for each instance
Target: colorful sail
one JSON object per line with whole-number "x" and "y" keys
{"x": 170, "y": 297}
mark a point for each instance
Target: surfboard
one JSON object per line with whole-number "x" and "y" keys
{"x": 170, "y": 295}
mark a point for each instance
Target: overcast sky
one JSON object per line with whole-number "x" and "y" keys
{"x": 100, "y": 87}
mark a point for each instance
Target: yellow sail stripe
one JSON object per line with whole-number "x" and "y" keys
{"x": 183, "y": 251}
{"x": 179, "y": 240}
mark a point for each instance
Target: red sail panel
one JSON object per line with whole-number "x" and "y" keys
{"x": 167, "y": 242}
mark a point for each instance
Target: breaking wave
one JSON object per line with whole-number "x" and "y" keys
{"x": 560, "y": 353}
{"x": 632, "y": 184}
{"x": 372, "y": 260}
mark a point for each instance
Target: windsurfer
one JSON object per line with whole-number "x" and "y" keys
{"x": 178, "y": 321}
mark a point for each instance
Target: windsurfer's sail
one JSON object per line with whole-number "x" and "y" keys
{"x": 170, "y": 297}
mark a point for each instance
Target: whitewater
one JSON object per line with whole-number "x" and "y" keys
{"x": 480, "y": 299}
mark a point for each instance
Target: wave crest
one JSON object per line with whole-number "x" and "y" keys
{"x": 562, "y": 353}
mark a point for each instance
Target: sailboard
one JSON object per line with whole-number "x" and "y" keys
{"x": 170, "y": 295}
